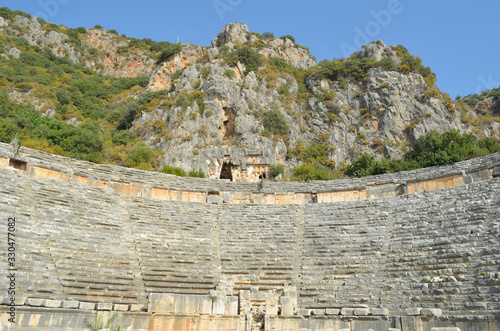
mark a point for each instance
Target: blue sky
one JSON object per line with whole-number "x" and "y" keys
{"x": 457, "y": 39}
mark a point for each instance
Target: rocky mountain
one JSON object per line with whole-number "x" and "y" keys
{"x": 251, "y": 99}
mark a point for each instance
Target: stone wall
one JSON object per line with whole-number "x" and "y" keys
{"x": 86, "y": 249}
{"x": 132, "y": 182}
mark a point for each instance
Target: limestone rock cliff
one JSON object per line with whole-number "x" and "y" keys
{"x": 380, "y": 115}
{"x": 250, "y": 101}
{"x": 111, "y": 61}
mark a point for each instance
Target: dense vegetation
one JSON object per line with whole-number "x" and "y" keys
{"x": 71, "y": 94}
{"x": 181, "y": 173}
{"x": 169, "y": 51}
{"x": 246, "y": 55}
{"x": 353, "y": 69}
{"x": 474, "y": 99}
{"x": 274, "y": 123}
{"x": 433, "y": 149}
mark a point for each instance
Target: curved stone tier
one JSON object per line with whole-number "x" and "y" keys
{"x": 158, "y": 186}
{"x": 419, "y": 247}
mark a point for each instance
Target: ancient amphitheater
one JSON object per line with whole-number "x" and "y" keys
{"x": 418, "y": 250}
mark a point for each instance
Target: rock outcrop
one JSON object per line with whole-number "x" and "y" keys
{"x": 379, "y": 115}
{"x": 215, "y": 107}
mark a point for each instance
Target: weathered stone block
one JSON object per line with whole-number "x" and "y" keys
{"x": 318, "y": 312}
{"x": 347, "y": 311}
{"x": 136, "y": 307}
{"x": 70, "y": 304}
{"x": 272, "y": 305}
{"x": 220, "y": 305}
{"x": 206, "y": 306}
{"x": 468, "y": 179}
{"x": 87, "y": 305}
{"x": 431, "y": 312}
{"x": 304, "y": 312}
{"x": 332, "y": 311}
{"x": 380, "y": 312}
{"x": 413, "y": 311}
{"x": 19, "y": 301}
{"x": 181, "y": 304}
{"x": 245, "y": 304}
{"x": 214, "y": 199}
{"x": 104, "y": 306}
{"x": 53, "y": 303}
{"x": 120, "y": 307}
{"x": 286, "y": 306}
{"x": 361, "y": 311}
{"x": 231, "y": 306}
{"x": 35, "y": 302}
{"x": 162, "y": 303}
{"x": 446, "y": 329}
{"x": 227, "y": 196}
{"x": 292, "y": 294}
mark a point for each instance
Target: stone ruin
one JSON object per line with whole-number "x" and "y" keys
{"x": 418, "y": 250}
{"x": 249, "y": 166}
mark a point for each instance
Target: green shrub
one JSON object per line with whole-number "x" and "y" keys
{"x": 84, "y": 142}
{"x": 387, "y": 64}
{"x": 474, "y": 99}
{"x": 275, "y": 123}
{"x": 125, "y": 83}
{"x": 288, "y": 37}
{"x": 230, "y": 73}
{"x": 168, "y": 52}
{"x": 355, "y": 69}
{"x": 267, "y": 35}
{"x": 128, "y": 112}
{"x": 173, "y": 171}
{"x": 314, "y": 153}
{"x": 175, "y": 76}
{"x": 123, "y": 137}
{"x": 246, "y": 55}
{"x": 197, "y": 173}
{"x": 366, "y": 165}
{"x": 157, "y": 46}
{"x": 250, "y": 34}
{"x": 400, "y": 50}
{"x": 276, "y": 169}
{"x": 278, "y": 62}
{"x": 139, "y": 155}
{"x": 410, "y": 63}
{"x": 343, "y": 84}
{"x": 63, "y": 97}
{"x": 450, "y": 147}
{"x": 283, "y": 90}
{"x": 21, "y": 13}
{"x": 308, "y": 171}
{"x": 73, "y": 35}
{"x": 6, "y": 13}
{"x": 432, "y": 149}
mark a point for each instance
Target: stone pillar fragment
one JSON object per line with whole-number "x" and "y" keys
{"x": 286, "y": 306}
